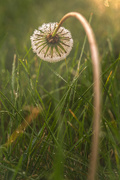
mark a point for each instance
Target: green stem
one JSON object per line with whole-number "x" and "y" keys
{"x": 58, "y": 26}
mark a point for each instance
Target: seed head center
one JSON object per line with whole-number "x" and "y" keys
{"x": 51, "y": 39}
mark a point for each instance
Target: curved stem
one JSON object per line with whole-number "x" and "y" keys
{"x": 96, "y": 75}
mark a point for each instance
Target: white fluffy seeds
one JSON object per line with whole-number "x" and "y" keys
{"x": 48, "y": 48}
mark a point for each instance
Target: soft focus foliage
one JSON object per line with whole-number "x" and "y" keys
{"x": 18, "y": 19}
{"x": 46, "y": 110}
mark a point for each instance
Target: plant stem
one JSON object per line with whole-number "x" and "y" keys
{"x": 96, "y": 88}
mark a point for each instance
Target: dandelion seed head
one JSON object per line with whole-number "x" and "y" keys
{"x": 49, "y": 48}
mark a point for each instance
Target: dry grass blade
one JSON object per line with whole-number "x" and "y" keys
{"x": 34, "y": 112}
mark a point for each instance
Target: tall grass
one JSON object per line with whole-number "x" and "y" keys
{"x": 46, "y": 119}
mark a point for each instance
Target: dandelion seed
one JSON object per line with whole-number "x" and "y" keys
{"x": 51, "y": 48}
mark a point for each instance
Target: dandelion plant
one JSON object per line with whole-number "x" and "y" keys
{"x": 51, "y": 48}
{"x": 53, "y": 43}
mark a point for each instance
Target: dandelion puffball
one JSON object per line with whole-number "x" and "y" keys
{"x": 51, "y": 48}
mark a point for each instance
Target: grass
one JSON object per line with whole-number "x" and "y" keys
{"x": 46, "y": 111}
{"x": 56, "y": 121}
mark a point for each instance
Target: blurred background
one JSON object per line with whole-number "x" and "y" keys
{"x": 18, "y": 19}
{"x": 27, "y": 81}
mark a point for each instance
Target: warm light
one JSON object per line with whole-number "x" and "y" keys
{"x": 103, "y": 4}
{"x": 112, "y": 3}
{"x": 106, "y": 3}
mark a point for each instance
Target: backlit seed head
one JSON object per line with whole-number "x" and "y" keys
{"x": 49, "y": 48}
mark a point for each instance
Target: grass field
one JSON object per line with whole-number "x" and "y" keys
{"x": 46, "y": 112}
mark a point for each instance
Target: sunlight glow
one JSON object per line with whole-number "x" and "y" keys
{"x": 113, "y": 4}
